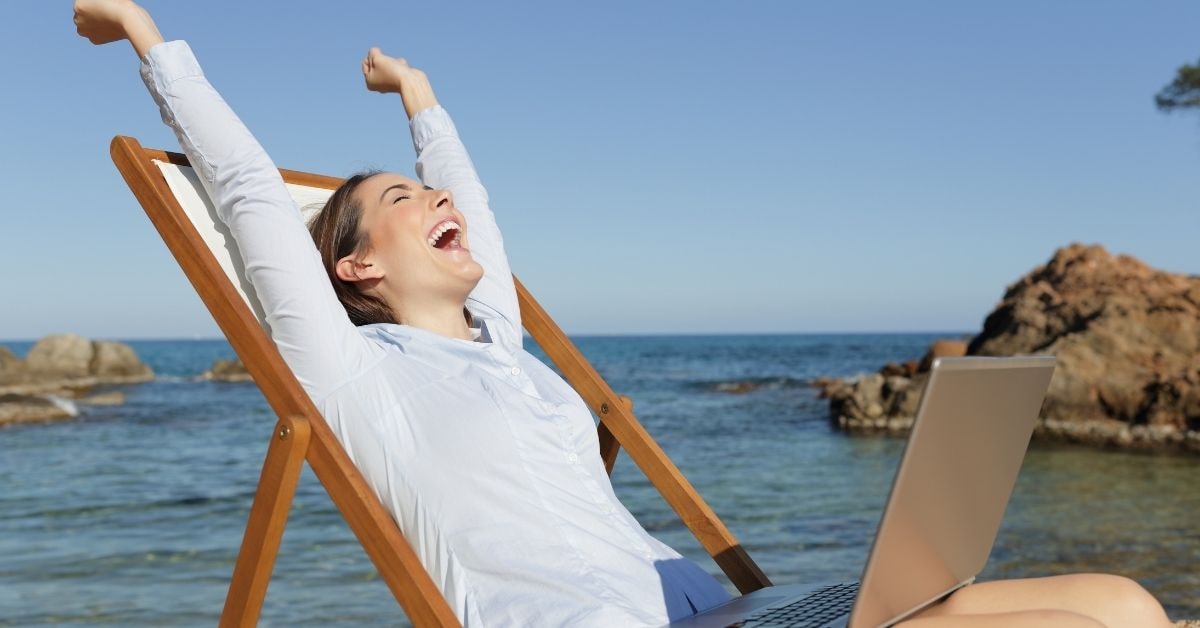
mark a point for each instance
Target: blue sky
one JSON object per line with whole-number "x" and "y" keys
{"x": 656, "y": 166}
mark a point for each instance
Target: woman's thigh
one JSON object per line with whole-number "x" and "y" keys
{"x": 1111, "y": 600}
{"x": 1023, "y": 619}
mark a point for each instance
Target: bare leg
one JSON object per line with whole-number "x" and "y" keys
{"x": 1112, "y": 601}
{"x": 1025, "y": 619}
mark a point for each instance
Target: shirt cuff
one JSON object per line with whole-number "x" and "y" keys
{"x": 430, "y": 124}
{"x": 168, "y": 62}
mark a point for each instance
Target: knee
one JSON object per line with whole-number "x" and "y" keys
{"x": 1123, "y": 602}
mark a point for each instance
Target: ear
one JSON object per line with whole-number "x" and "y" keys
{"x": 353, "y": 270}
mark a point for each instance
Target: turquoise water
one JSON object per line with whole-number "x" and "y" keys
{"x": 133, "y": 514}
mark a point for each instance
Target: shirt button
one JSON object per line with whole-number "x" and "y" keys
{"x": 572, "y": 458}
{"x": 516, "y": 370}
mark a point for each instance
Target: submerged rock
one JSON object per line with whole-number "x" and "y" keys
{"x": 110, "y": 398}
{"x": 227, "y": 371}
{"x": 1127, "y": 339}
{"x": 16, "y": 408}
{"x": 736, "y": 388}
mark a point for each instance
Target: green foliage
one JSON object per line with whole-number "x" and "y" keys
{"x": 1183, "y": 92}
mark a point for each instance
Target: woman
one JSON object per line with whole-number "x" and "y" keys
{"x": 411, "y": 348}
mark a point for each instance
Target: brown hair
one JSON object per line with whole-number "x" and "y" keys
{"x": 337, "y": 233}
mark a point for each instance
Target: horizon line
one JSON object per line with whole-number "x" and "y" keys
{"x": 639, "y": 334}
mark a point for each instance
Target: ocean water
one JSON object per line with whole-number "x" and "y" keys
{"x": 132, "y": 515}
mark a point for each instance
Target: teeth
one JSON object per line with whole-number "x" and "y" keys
{"x": 443, "y": 228}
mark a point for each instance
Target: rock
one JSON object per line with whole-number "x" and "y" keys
{"x": 872, "y": 403}
{"x": 64, "y": 356}
{"x": 33, "y": 409}
{"x": 227, "y": 371}
{"x": 12, "y": 368}
{"x": 888, "y": 400}
{"x": 71, "y": 361}
{"x": 904, "y": 369}
{"x": 828, "y": 386}
{"x": 111, "y": 398}
{"x": 116, "y": 360}
{"x": 62, "y": 368}
{"x": 942, "y": 349}
{"x": 737, "y": 388}
{"x": 903, "y": 395}
{"x": 1127, "y": 340}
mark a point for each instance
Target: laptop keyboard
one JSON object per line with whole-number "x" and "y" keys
{"x": 821, "y": 606}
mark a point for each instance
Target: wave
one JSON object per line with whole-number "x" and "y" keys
{"x": 235, "y": 499}
{"x": 62, "y": 403}
{"x": 177, "y": 379}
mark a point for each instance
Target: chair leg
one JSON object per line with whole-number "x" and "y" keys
{"x": 264, "y": 527}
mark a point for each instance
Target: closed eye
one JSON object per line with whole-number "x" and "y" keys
{"x": 401, "y": 187}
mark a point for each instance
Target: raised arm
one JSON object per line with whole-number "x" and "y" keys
{"x": 307, "y": 322}
{"x": 442, "y": 162}
{"x": 106, "y": 21}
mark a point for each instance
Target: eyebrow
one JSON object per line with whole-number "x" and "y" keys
{"x": 402, "y": 186}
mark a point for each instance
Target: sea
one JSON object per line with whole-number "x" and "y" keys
{"x": 132, "y": 514}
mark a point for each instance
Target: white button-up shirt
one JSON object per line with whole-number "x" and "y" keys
{"x": 488, "y": 460}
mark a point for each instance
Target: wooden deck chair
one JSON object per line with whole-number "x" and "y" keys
{"x": 173, "y": 198}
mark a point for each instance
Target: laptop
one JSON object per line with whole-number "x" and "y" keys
{"x": 947, "y": 500}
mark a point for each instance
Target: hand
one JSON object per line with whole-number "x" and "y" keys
{"x": 388, "y": 75}
{"x": 103, "y": 21}
{"x": 393, "y": 75}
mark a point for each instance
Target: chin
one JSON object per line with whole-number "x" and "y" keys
{"x": 473, "y": 275}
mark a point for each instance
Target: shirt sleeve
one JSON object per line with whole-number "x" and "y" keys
{"x": 442, "y": 162}
{"x": 307, "y": 322}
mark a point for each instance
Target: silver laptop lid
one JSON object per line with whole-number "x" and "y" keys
{"x": 953, "y": 484}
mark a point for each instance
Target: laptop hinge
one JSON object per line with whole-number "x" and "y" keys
{"x": 930, "y": 602}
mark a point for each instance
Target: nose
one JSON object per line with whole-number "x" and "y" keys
{"x": 442, "y": 199}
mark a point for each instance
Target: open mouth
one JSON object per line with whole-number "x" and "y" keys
{"x": 446, "y": 235}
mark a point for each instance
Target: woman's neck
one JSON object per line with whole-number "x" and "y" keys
{"x": 447, "y": 320}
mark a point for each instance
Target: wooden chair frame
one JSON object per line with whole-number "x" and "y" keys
{"x": 302, "y": 434}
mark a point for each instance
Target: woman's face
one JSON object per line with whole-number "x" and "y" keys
{"x": 418, "y": 241}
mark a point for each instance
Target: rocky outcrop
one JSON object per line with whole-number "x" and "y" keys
{"x": 114, "y": 360}
{"x": 33, "y": 409}
{"x": 887, "y": 400}
{"x": 1127, "y": 337}
{"x": 227, "y": 371}
{"x": 1127, "y": 340}
{"x": 69, "y": 361}
{"x": 61, "y": 370}
{"x": 941, "y": 349}
{"x": 64, "y": 357}
{"x": 873, "y": 403}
